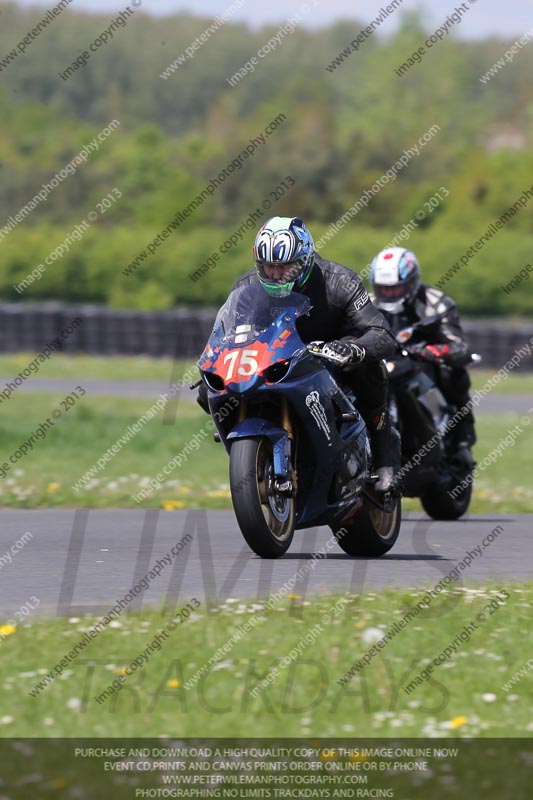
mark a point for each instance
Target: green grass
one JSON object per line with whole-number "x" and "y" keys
{"x": 464, "y": 696}
{"x": 45, "y": 476}
{"x": 117, "y": 368}
{"x": 514, "y": 384}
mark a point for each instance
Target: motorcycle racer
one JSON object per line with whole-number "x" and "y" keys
{"x": 404, "y": 300}
{"x": 343, "y": 327}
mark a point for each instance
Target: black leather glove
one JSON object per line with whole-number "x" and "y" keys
{"x": 338, "y": 352}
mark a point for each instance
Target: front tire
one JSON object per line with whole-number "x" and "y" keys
{"x": 374, "y": 531}
{"x": 265, "y": 517}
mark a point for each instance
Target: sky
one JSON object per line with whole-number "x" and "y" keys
{"x": 485, "y": 17}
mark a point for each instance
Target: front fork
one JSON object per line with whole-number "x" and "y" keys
{"x": 287, "y": 486}
{"x": 284, "y": 476}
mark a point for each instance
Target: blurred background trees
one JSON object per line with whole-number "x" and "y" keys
{"x": 343, "y": 130}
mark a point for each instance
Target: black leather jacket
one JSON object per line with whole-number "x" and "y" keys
{"x": 341, "y": 308}
{"x": 430, "y": 301}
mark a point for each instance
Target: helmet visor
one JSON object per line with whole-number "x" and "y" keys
{"x": 396, "y": 292}
{"x": 389, "y": 292}
{"x": 272, "y": 274}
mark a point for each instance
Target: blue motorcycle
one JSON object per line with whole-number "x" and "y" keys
{"x": 298, "y": 447}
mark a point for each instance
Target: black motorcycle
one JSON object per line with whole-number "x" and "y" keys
{"x": 434, "y": 467}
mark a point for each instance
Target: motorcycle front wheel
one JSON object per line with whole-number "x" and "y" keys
{"x": 265, "y": 517}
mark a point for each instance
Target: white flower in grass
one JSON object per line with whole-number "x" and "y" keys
{"x": 73, "y": 620}
{"x": 6, "y": 719}
{"x": 49, "y": 721}
{"x": 371, "y": 635}
{"x": 488, "y": 697}
{"x": 33, "y": 777}
{"x": 74, "y": 703}
{"x": 115, "y": 624}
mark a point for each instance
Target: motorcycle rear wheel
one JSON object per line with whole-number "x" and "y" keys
{"x": 265, "y": 517}
{"x": 373, "y": 532}
{"x": 438, "y": 504}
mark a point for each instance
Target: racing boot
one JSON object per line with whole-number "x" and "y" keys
{"x": 385, "y": 446}
{"x": 465, "y": 432}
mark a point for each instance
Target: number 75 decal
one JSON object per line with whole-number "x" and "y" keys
{"x": 246, "y": 361}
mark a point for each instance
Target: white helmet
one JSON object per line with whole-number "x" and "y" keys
{"x": 395, "y": 277}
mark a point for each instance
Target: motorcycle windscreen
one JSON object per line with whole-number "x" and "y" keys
{"x": 249, "y": 311}
{"x": 246, "y": 316}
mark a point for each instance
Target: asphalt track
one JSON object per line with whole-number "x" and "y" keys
{"x": 493, "y": 403}
{"x": 83, "y": 561}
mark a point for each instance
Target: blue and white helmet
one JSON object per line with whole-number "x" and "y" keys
{"x": 284, "y": 242}
{"x": 395, "y": 276}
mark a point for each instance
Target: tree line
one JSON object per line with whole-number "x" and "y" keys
{"x": 343, "y": 132}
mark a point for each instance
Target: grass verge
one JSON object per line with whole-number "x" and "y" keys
{"x": 46, "y": 475}
{"x": 117, "y": 368}
{"x": 463, "y": 697}
{"x": 515, "y": 383}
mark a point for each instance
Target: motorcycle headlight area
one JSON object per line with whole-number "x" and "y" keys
{"x": 214, "y": 381}
{"x": 276, "y": 372}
